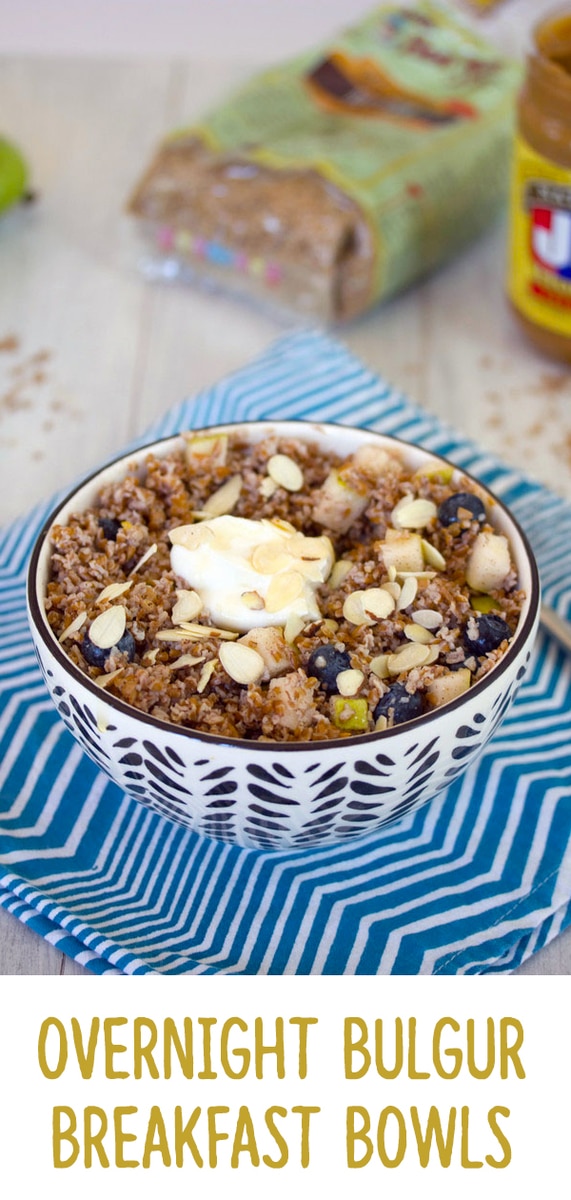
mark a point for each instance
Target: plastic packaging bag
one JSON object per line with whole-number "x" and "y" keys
{"x": 337, "y": 179}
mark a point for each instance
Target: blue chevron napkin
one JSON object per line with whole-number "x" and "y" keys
{"x": 474, "y": 882}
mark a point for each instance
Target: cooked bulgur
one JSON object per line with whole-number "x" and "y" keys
{"x": 422, "y": 600}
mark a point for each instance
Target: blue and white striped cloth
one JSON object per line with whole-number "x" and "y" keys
{"x": 475, "y": 882}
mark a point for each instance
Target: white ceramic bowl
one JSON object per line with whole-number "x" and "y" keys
{"x": 271, "y": 795}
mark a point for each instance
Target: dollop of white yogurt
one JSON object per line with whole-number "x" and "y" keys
{"x": 251, "y": 573}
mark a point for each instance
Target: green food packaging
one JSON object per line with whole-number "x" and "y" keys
{"x": 337, "y": 179}
{"x": 13, "y": 175}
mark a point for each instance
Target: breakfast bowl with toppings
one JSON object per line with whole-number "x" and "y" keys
{"x": 283, "y": 633}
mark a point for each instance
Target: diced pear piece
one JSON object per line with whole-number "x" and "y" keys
{"x": 337, "y": 504}
{"x": 438, "y": 471}
{"x": 403, "y": 552}
{"x": 270, "y": 643}
{"x": 373, "y": 461}
{"x": 489, "y": 562}
{"x": 448, "y": 687}
{"x": 202, "y": 451}
{"x": 483, "y": 604}
{"x": 349, "y": 712}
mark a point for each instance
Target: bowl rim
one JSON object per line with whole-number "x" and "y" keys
{"x": 372, "y": 737}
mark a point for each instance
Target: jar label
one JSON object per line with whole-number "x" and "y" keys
{"x": 539, "y": 282}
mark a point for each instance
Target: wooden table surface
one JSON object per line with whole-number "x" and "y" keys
{"x": 90, "y": 354}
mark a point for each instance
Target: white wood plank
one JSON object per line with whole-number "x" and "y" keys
{"x": 23, "y": 952}
{"x": 65, "y": 285}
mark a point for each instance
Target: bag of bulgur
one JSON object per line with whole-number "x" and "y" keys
{"x": 336, "y": 179}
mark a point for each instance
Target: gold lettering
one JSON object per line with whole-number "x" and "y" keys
{"x": 401, "y": 1144}
{"x": 239, "y": 1053}
{"x": 156, "y": 1127}
{"x": 465, "y": 1160}
{"x": 305, "y": 1112}
{"x": 360, "y": 1046}
{"x": 112, "y": 1048}
{"x": 502, "y": 1139}
{"x": 55, "y": 1072}
{"x": 121, "y": 1136}
{"x": 278, "y": 1138}
{"x": 434, "y": 1132}
{"x": 60, "y": 1135}
{"x": 454, "y": 1054}
{"x": 244, "y": 1126}
{"x": 144, "y": 1051}
{"x": 93, "y": 1139}
{"x": 183, "y": 1136}
{"x": 358, "y": 1135}
{"x": 277, "y": 1049}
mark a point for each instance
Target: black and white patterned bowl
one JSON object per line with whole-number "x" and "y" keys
{"x": 274, "y": 795}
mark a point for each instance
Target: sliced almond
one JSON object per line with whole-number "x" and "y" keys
{"x": 381, "y": 724}
{"x": 416, "y": 633}
{"x": 349, "y": 682}
{"x": 224, "y": 499}
{"x": 293, "y": 628}
{"x": 353, "y": 610}
{"x": 206, "y": 631}
{"x": 253, "y": 600}
{"x": 377, "y": 603}
{"x": 285, "y": 472}
{"x": 185, "y": 660}
{"x": 433, "y": 654}
{"x": 378, "y": 666}
{"x": 206, "y": 674}
{"x": 146, "y": 556}
{"x": 188, "y": 605}
{"x": 189, "y": 536}
{"x": 432, "y": 556}
{"x": 283, "y": 590}
{"x": 103, "y": 681}
{"x": 408, "y": 593}
{"x": 428, "y": 618}
{"x": 267, "y": 487}
{"x": 114, "y": 590}
{"x": 270, "y": 557}
{"x": 410, "y": 656}
{"x": 394, "y": 590}
{"x": 339, "y": 572}
{"x": 108, "y": 628}
{"x": 392, "y": 573}
{"x": 176, "y": 635}
{"x": 151, "y": 655}
{"x": 331, "y": 625}
{"x": 77, "y": 624}
{"x": 241, "y": 663}
{"x": 413, "y": 513}
{"x": 280, "y": 523}
{"x": 417, "y": 574}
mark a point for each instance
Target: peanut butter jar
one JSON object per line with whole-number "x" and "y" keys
{"x": 539, "y": 283}
{"x": 539, "y": 279}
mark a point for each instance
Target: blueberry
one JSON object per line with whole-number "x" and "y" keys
{"x": 448, "y": 511}
{"x": 491, "y": 632}
{"x": 97, "y": 657}
{"x": 110, "y": 528}
{"x": 400, "y": 704}
{"x": 325, "y": 663}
